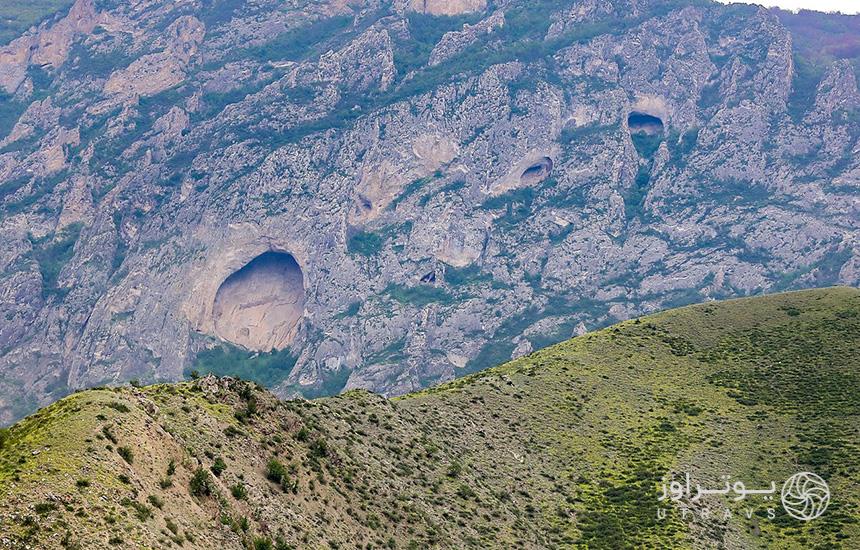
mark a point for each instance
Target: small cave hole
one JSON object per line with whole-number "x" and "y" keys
{"x": 646, "y": 131}
{"x": 260, "y": 306}
{"x": 537, "y": 172}
{"x": 364, "y": 203}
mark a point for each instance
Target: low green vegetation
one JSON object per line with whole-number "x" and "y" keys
{"x": 277, "y": 473}
{"x": 218, "y": 467}
{"x": 351, "y": 311}
{"x": 10, "y": 112}
{"x": 573, "y": 135}
{"x": 39, "y": 188}
{"x": 425, "y": 30}
{"x": 418, "y": 296}
{"x": 267, "y": 369}
{"x": 201, "y": 484}
{"x": 804, "y": 86}
{"x": 499, "y": 349}
{"x": 216, "y": 12}
{"x": 412, "y": 188}
{"x": 96, "y": 62}
{"x": 471, "y": 274}
{"x": 365, "y": 243}
{"x": 646, "y": 144}
{"x": 333, "y": 383}
{"x": 299, "y": 42}
{"x": 369, "y": 243}
{"x": 53, "y": 252}
{"x": 126, "y": 454}
{"x": 391, "y": 353}
{"x": 239, "y": 491}
{"x": 634, "y": 198}
{"x": 517, "y": 205}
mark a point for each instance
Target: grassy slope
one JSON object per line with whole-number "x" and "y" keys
{"x": 564, "y": 447}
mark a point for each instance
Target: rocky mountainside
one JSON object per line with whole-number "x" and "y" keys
{"x": 323, "y": 195}
{"x": 568, "y": 446}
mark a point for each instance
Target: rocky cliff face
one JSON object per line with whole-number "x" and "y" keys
{"x": 453, "y": 189}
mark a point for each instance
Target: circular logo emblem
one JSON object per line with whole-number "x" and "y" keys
{"x": 805, "y": 496}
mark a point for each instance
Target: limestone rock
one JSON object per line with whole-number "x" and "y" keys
{"x": 455, "y": 41}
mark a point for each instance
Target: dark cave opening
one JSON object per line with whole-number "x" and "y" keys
{"x": 646, "y": 131}
{"x": 644, "y": 123}
{"x": 537, "y": 172}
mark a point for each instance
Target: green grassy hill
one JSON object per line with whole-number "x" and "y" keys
{"x": 566, "y": 447}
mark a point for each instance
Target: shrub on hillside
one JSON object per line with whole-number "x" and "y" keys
{"x": 218, "y": 467}
{"x": 276, "y": 471}
{"x": 201, "y": 483}
{"x": 239, "y": 491}
{"x": 126, "y": 454}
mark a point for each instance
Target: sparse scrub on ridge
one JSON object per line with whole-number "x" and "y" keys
{"x": 201, "y": 483}
{"x": 126, "y": 454}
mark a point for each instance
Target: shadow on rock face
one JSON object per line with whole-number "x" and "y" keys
{"x": 641, "y": 123}
{"x": 260, "y": 306}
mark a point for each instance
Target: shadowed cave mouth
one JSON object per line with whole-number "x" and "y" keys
{"x": 644, "y": 124}
{"x": 537, "y": 172}
{"x": 646, "y": 131}
{"x": 259, "y": 307}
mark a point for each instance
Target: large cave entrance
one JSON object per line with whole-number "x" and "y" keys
{"x": 260, "y": 306}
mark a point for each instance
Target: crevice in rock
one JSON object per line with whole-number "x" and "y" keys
{"x": 261, "y": 305}
{"x": 364, "y": 203}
